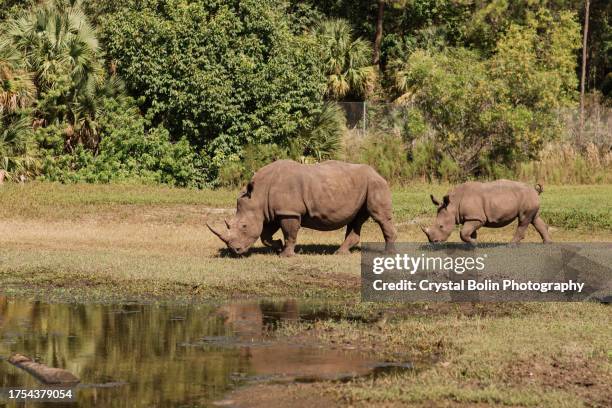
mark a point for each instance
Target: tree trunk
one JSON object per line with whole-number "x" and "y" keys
{"x": 43, "y": 373}
{"x": 587, "y": 4}
{"x": 379, "y": 32}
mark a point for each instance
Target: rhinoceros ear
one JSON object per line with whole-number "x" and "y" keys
{"x": 249, "y": 189}
{"x": 446, "y": 200}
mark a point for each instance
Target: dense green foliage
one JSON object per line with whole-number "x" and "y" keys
{"x": 196, "y": 93}
{"x": 84, "y": 128}
{"x": 126, "y": 151}
{"x": 499, "y": 109}
{"x": 321, "y": 140}
{"x": 17, "y": 151}
{"x": 221, "y": 74}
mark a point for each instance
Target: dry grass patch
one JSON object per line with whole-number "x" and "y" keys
{"x": 535, "y": 355}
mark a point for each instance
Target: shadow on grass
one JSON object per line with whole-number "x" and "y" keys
{"x": 306, "y": 249}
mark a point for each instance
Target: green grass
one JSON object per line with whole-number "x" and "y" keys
{"x": 583, "y": 207}
{"x": 115, "y": 242}
{"x": 570, "y": 207}
{"x": 74, "y": 201}
{"x": 104, "y": 242}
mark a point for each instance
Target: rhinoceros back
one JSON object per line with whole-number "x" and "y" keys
{"x": 325, "y": 195}
{"x": 496, "y": 203}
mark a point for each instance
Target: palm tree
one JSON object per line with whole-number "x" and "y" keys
{"x": 85, "y": 109}
{"x": 18, "y": 156}
{"x": 347, "y": 61}
{"x": 60, "y": 47}
{"x": 17, "y": 88}
{"x": 56, "y": 40}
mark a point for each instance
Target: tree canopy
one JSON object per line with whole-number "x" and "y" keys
{"x": 195, "y": 93}
{"x": 222, "y": 74}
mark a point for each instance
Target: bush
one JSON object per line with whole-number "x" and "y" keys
{"x": 18, "y": 152}
{"x": 126, "y": 151}
{"x": 322, "y": 140}
{"x": 237, "y": 172}
{"x": 502, "y": 109}
{"x": 385, "y": 152}
{"x": 399, "y": 162}
{"x": 222, "y": 74}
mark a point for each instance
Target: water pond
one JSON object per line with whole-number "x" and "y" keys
{"x": 138, "y": 355}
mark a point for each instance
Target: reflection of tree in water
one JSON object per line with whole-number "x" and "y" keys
{"x": 159, "y": 351}
{"x": 146, "y": 346}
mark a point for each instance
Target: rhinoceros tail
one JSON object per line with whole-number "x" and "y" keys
{"x": 539, "y": 188}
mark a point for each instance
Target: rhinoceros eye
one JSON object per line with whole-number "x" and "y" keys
{"x": 243, "y": 226}
{"x": 441, "y": 226}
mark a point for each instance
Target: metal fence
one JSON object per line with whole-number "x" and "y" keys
{"x": 365, "y": 117}
{"x": 597, "y": 125}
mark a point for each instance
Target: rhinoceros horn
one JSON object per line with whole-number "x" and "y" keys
{"x": 425, "y": 230}
{"x": 223, "y": 235}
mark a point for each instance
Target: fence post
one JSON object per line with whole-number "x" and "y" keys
{"x": 365, "y": 107}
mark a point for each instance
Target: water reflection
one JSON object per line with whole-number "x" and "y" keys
{"x": 147, "y": 355}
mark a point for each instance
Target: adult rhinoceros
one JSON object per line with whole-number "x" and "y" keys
{"x": 325, "y": 197}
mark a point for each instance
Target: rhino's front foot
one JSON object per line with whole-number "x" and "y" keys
{"x": 469, "y": 240}
{"x": 276, "y": 244}
{"x": 287, "y": 252}
{"x": 390, "y": 248}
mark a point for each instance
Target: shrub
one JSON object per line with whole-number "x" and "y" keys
{"x": 237, "y": 172}
{"x": 222, "y": 74}
{"x": 385, "y": 152}
{"x": 503, "y": 108}
{"x": 18, "y": 152}
{"x": 126, "y": 151}
{"x": 322, "y": 139}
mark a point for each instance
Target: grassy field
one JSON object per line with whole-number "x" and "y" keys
{"x": 112, "y": 243}
{"x": 470, "y": 355}
{"x": 106, "y": 242}
{"x": 573, "y": 207}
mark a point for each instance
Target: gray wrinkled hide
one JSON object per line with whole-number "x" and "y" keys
{"x": 494, "y": 204}
{"x": 327, "y": 196}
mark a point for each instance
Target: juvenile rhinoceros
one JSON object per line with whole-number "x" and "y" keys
{"x": 495, "y": 204}
{"x": 325, "y": 196}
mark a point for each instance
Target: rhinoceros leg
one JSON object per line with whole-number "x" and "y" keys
{"x": 290, "y": 227}
{"x": 521, "y": 228}
{"x": 468, "y": 231}
{"x": 353, "y": 232}
{"x": 266, "y": 236}
{"x": 542, "y": 229}
{"x": 379, "y": 207}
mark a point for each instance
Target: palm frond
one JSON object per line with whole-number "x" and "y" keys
{"x": 18, "y": 155}
{"x": 346, "y": 61}
{"x": 17, "y": 88}
{"x": 322, "y": 140}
